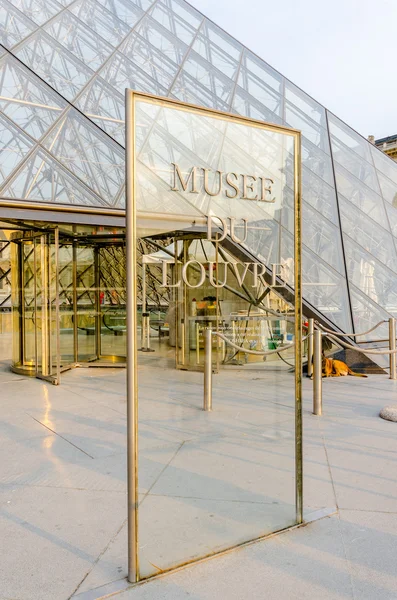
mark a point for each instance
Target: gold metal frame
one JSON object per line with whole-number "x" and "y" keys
{"x": 131, "y": 97}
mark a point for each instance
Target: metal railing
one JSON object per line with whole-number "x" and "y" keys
{"x": 316, "y": 359}
{"x": 208, "y": 333}
{"x": 314, "y": 336}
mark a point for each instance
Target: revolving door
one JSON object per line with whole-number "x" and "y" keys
{"x": 68, "y": 302}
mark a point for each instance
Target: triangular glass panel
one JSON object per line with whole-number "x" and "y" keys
{"x": 157, "y": 41}
{"x": 14, "y": 26}
{"x": 103, "y": 105}
{"x": 317, "y": 161}
{"x": 82, "y": 42}
{"x": 14, "y": 145}
{"x": 53, "y": 63}
{"x": 305, "y": 114}
{"x": 388, "y": 189}
{"x": 384, "y": 164}
{"x": 349, "y": 138}
{"x": 392, "y": 214}
{"x": 43, "y": 179}
{"x": 151, "y": 60}
{"x": 320, "y": 195}
{"x": 254, "y": 71}
{"x": 200, "y": 83}
{"x": 246, "y": 105}
{"x": 25, "y": 99}
{"x": 305, "y": 104}
{"x": 323, "y": 287}
{"x": 360, "y": 195}
{"x": 104, "y": 22}
{"x": 373, "y": 238}
{"x": 322, "y": 238}
{"x": 218, "y": 48}
{"x": 126, "y": 10}
{"x": 122, "y": 73}
{"x": 39, "y": 11}
{"x": 178, "y": 17}
{"x": 370, "y": 276}
{"x": 367, "y": 314}
{"x": 88, "y": 153}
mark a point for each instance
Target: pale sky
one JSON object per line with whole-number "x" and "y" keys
{"x": 341, "y": 52}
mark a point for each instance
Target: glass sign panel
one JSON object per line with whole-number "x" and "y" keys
{"x": 224, "y": 292}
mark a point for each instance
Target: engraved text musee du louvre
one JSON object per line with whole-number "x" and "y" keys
{"x": 233, "y": 185}
{"x": 199, "y": 272}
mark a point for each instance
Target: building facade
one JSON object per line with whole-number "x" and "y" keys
{"x": 388, "y": 145}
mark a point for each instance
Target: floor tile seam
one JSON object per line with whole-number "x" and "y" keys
{"x": 61, "y": 436}
{"x": 370, "y": 452}
{"x": 350, "y": 486}
{"x": 365, "y": 429}
{"x": 208, "y": 434}
{"x": 218, "y": 500}
{"x": 346, "y": 557}
{"x": 364, "y": 510}
{"x": 360, "y": 445}
{"x": 378, "y": 455}
{"x": 99, "y": 557}
{"x": 62, "y": 487}
{"x": 330, "y": 471}
{"x": 100, "y": 589}
{"x": 358, "y": 389}
{"x": 161, "y": 472}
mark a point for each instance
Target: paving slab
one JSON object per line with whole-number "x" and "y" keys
{"x": 370, "y": 540}
{"x": 207, "y": 480}
{"x": 52, "y": 538}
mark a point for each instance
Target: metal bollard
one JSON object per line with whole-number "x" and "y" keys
{"x": 207, "y": 370}
{"x": 143, "y": 331}
{"x": 146, "y": 333}
{"x": 310, "y": 332}
{"x": 392, "y": 346}
{"x": 317, "y": 374}
{"x": 197, "y": 343}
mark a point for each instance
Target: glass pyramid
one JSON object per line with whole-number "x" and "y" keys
{"x": 64, "y": 67}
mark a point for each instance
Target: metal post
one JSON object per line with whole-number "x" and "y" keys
{"x": 57, "y": 309}
{"x": 207, "y": 370}
{"x": 183, "y": 341}
{"x": 197, "y": 343}
{"x": 148, "y": 333}
{"x": 143, "y": 331}
{"x": 317, "y": 375}
{"x": 310, "y": 332}
{"x": 392, "y": 346}
{"x": 132, "y": 368}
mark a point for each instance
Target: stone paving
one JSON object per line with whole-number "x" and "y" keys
{"x": 63, "y": 490}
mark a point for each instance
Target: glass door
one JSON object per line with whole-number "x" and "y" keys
{"x": 46, "y": 306}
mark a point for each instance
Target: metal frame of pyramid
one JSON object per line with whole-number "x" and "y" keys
{"x": 63, "y": 69}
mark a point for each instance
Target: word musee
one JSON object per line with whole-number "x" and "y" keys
{"x": 234, "y": 185}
